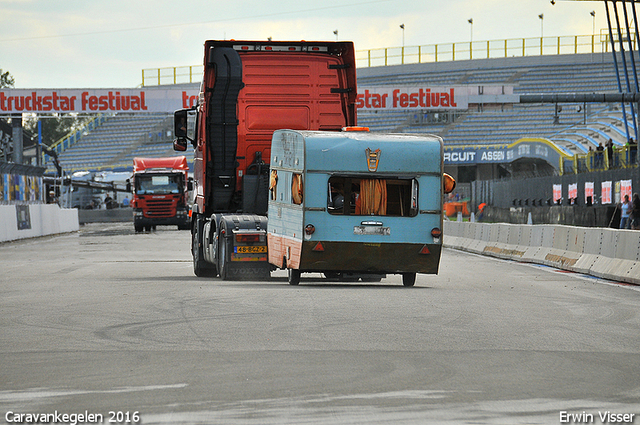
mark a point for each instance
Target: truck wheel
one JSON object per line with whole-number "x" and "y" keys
{"x": 408, "y": 279}
{"x": 222, "y": 259}
{"x": 138, "y": 228}
{"x": 293, "y": 276}
{"x": 200, "y": 267}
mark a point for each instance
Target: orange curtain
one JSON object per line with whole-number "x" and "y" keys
{"x": 373, "y": 197}
{"x": 296, "y": 189}
{"x": 273, "y": 181}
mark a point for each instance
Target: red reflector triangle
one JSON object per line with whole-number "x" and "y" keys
{"x": 318, "y": 247}
{"x": 425, "y": 250}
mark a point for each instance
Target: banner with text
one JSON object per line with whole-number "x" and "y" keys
{"x": 167, "y": 99}
{"x": 606, "y": 192}
{"x": 13, "y": 101}
{"x": 523, "y": 148}
{"x": 375, "y": 98}
{"x": 588, "y": 192}
{"x": 392, "y": 97}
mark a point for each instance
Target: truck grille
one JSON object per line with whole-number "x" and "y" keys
{"x": 160, "y": 208}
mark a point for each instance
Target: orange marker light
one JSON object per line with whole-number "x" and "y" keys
{"x": 448, "y": 183}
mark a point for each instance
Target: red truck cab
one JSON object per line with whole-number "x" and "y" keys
{"x": 160, "y": 192}
{"x": 249, "y": 90}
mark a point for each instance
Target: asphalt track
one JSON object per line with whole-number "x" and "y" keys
{"x": 105, "y": 320}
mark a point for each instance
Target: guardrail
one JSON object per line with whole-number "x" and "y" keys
{"x": 607, "y": 253}
{"x": 491, "y": 49}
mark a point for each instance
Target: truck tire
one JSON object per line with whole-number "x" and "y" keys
{"x": 223, "y": 266}
{"x": 201, "y": 268}
{"x": 408, "y": 279}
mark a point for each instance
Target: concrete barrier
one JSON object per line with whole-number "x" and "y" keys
{"x": 106, "y": 216}
{"x": 592, "y": 248}
{"x": 454, "y": 237}
{"x": 481, "y": 232}
{"x": 33, "y": 220}
{"x": 602, "y": 252}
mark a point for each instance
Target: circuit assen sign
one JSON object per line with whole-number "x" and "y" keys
{"x": 523, "y": 148}
{"x": 14, "y": 101}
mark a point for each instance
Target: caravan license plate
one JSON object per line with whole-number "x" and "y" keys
{"x": 371, "y": 230}
{"x": 250, "y": 249}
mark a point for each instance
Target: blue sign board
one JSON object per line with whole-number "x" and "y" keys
{"x": 500, "y": 154}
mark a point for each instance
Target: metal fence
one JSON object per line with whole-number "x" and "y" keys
{"x": 538, "y": 191}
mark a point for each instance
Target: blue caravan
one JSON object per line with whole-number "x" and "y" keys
{"x": 356, "y": 203}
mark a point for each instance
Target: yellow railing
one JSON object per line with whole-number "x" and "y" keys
{"x": 537, "y": 46}
{"x": 485, "y": 50}
{"x": 621, "y": 157}
{"x": 172, "y": 75}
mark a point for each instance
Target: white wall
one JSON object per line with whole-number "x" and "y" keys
{"x": 46, "y": 219}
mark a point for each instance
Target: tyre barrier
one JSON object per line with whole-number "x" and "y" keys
{"x": 607, "y": 253}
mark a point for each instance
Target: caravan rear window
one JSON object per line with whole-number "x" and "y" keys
{"x": 372, "y": 196}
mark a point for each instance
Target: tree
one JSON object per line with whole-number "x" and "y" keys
{"x": 6, "y": 80}
{"x": 54, "y": 127}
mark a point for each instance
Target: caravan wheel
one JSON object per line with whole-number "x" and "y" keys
{"x": 408, "y": 279}
{"x": 293, "y": 276}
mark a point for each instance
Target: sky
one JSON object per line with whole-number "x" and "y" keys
{"x": 107, "y": 43}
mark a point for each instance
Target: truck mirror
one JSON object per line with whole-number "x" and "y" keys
{"x": 190, "y": 184}
{"x": 180, "y": 123}
{"x": 128, "y": 188}
{"x": 180, "y": 145}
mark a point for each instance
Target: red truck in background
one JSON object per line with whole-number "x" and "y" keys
{"x": 249, "y": 90}
{"x": 160, "y": 192}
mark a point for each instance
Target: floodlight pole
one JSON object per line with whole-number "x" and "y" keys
{"x": 470, "y": 38}
{"x": 402, "y": 26}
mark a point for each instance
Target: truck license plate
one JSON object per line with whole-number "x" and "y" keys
{"x": 250, "y": 249}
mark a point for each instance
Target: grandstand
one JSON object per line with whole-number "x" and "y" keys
{"x": 113, "y": 144}
{"x": 506, "y": 123}
{"x": 572, "y": 128}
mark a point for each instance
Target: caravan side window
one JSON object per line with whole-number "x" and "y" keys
{"x": 372, "y": 196}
